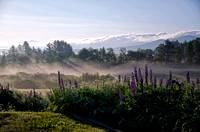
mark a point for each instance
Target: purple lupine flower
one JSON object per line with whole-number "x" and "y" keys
{"x": 155, "y": 82}
{"x": 182, "y": 83}
{"x": 8, "y": 87}
{"x": 30, "y": 94}
{"x": 128, "y": 81}
{"x": 1, "y": 88}
{"x": 70, "y": 83}
{"x": 133, "y": 80}
{"x": 136, "y": 77}
{"x": 141, "y": 85}
{"x": 188, "y": 77}
{"x": 140, "y": 76}
{"x": 170, "y": 75}
{"x": 121, "y": 95}
{"x": 139, "y": 73}
{"x": 167, "y": 83}
{"x": 58, "y": 78}
{"x": 146, "y": 70}
{"x": 119, "y": 78}
{"x": 197, "y": 82}
{"x": 176, "y": 83}
{"x": 36, "y": 95}
{"x": 133, "y": 89}
{"x": 151, "y": 77}
{"x": 146, "y": 74}
{"x": 41, "y": 94}
{"x": 161, "y": 82}
{"x": 26, "y": 99}
{"x": 124, "y": 78}
{"x": 62, "y": 84}
{"x": 76, "y": 84}
{"x": 34, "y": 92}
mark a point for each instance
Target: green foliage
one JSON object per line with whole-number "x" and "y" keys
{"x": 149, "y": 107}
{"x": 41, "y": 121}
{"x": 160, "y": 109}
{"x": 13, "y": 100}
{"x": 95, "y": 101}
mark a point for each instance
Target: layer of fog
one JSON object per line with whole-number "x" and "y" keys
{"x": 77, "y": 68}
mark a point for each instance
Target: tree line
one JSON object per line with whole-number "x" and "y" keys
{"x": 172, "y": 52}
{"x": 57, "y": 51}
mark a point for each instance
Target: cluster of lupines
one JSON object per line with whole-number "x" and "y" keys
{"x": 7, "y": 87}
{"x": 137, "y": 80}
{"x": 31, "y": 94}
{"x": 62, "y": 85}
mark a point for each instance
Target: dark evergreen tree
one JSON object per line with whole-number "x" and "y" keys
{"x": 196, "y": 50}
{"x": 188, "y": 52}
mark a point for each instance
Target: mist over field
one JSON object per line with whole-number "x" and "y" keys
{"x": 78, "y": 67}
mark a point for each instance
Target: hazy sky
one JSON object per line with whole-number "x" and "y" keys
{"x": 45, "y": 20}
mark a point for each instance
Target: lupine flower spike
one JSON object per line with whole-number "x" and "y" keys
{"x": 151, "y": 77}
{"x": 1, "y": 88}
{"x": 197, "y": 82}
{"x": 34, "y": 93}
{"x": 133, "y": 89}
{"x": 8, "y": 87}
{"x": 170, "y": 75}
{"x": 62, "y": 84}
{"x": 133, "y": 80}
{"x": 70, "y": 83}
{"x": 26, "y": 99}
{"x": 124, "y": 78}
{"x": 146, "y": 74}
{"x": 128, "y": 81}
{"x": 119, "y": 78}
{"x": 136, "y": 78}
{"x": 155, "y": 82}
{"x": 161, "y": 82}
{"x": 167, "y": 83}
{"x": 188, "y": 77}
{"x": 59, "y": 78}
{"x": 121, "y": 95}
{"x": 76, "y": 84}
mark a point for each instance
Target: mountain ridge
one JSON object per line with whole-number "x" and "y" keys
{"x": 136, "y": 40}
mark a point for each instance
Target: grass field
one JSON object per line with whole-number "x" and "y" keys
{"x": 42, "y": 121}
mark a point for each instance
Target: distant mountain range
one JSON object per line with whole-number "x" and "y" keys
{"x": 134, "y": 41}
{"x": 131, "y": 41}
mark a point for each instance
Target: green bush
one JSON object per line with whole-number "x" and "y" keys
{"x": 133, "y": 105}
{"x": 90, "y": 101}
{"x": 13, "y": 100}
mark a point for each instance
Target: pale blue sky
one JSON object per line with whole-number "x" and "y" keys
{"x": 74, "y": 19}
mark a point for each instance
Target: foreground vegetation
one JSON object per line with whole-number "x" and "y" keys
{"x": 136, "y": 102}
{"x": 41, "y": 121}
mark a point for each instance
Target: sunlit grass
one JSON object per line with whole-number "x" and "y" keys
{"x": 41, "y": 121}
